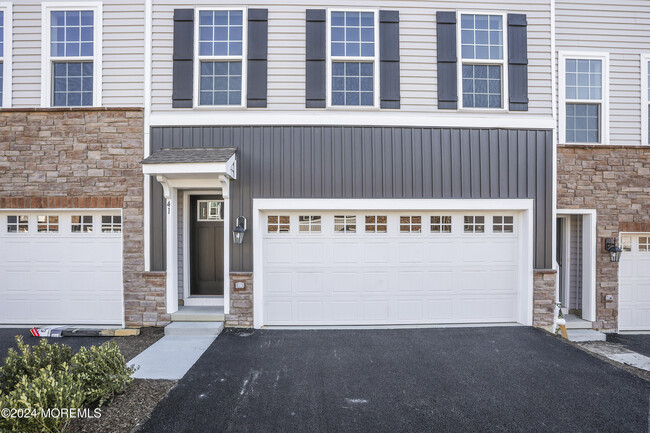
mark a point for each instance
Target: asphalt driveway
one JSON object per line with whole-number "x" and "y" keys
{"x": 7, "y": 340}
{"x": 459, "y": 379}
{"x": 639, "y": 343}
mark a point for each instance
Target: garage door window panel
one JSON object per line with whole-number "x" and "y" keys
{"x": 278, "y": 224}
{"x": 81, "y": 224}
{"x": 17, "y": 224}
{"x": 474, "y": 224}
{"x": 111, "y": 224}
{"x": 410, "y": 224}
{"x": 47, "y": 223}
{"x": 309, "y": 224}
{"x": 345, "y": 224}
{"x": 502, "y": 224}
{"x": 644, "y": 244}
{"x": 441, "y": 224}
{"x": 376, "y": 224}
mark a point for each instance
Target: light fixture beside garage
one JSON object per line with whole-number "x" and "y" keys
{"x": 613, "y": 250}
{"x": 239, "y": 230}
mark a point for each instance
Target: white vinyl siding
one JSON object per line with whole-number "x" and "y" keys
{"x": 122, "y": 52}
{"x": 621, "y": 29}
{"x": 418, "y": 68}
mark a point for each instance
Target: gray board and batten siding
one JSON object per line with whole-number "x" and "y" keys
{"x": 370, "y": 162}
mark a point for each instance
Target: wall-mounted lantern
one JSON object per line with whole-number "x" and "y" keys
{"x": 239, "y": 230}
{"x": 613, "y": 250}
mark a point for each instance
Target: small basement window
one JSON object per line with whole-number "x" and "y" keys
{"x": 17, "y": 224}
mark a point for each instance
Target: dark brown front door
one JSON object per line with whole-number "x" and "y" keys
{"x": 206, "y": 245}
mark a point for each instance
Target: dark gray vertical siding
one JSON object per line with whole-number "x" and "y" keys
{"x": 371, "y": 162}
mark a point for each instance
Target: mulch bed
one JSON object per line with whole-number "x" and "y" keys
{"x": 130, "y": 409}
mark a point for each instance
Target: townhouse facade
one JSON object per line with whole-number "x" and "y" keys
{"x": 301, "y": 164}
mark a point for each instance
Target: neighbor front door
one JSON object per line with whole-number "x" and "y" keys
{"x": 206, "y": 245}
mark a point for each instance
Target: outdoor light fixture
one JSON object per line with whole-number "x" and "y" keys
{"x": 239, "y": 230}
{"x": 613, "y": 250}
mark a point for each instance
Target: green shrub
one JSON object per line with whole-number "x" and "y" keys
{"x": 29, "y": 360}
{"x": 47, "y": 389}
{"x": 102, "y": 372}
{"x": 49, "y": 376}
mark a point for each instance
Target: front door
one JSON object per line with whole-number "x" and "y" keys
{"x": 206, "y": 245}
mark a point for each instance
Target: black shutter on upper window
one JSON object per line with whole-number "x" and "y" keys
{"x": 182, "y": 80}
{"x": 315, "y": 91}
{"x": 447, "y": 60}
{"x": 256, "y": 91}
{"x": 517, "y": 62}
{"x": 389, "y": 59}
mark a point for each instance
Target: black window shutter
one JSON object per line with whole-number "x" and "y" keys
{"x": 183, "y": 58}
{"x": 316, "y": 53}
{"x": 258, "y": 30}
{"x": 447, "y": 69}
{"x": 389, "y": 59}
{"x": 517, "y": 62}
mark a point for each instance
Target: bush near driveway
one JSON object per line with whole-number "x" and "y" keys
{"x": 50, "y": 376}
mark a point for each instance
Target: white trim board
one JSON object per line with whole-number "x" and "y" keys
{"x": 523, "y": 205}
{"x": 645, "y": 58}
{"x": 7, "y": 57}
{"x": 349, "y": 118}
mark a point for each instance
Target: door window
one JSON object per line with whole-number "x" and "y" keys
{"x": 210, "y": 210}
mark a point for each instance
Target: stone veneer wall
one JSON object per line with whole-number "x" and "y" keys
{"x": 241, "y": 301}
{"x": 543, "y": 297}
{"x": 84, "y": 157}
{"x": 614, "y": 180}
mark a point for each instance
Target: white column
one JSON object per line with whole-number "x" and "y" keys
{"x": 171, "y": 248}
{"x": 227, "y": 236}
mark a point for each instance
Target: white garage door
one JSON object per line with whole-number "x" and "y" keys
{"x": 634, "y": 283}
{"x": 61, "y": 267}
{"x": 355, "y": 268}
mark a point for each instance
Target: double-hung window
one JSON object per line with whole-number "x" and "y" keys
{"x": 221, "y": 49}
{"x": 5, "y": 54}
{"x": 645, "y": 99}
{"x": 583, "y": 89}
{"x": 353, "y": 53}
{"x": 72, "y": 69}
{"x": 482, "y": 46}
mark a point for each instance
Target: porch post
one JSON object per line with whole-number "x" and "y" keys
{"x": 171, "y": 250}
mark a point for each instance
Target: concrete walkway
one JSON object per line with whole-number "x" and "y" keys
{"x": 617, "y": 352}
{"x": 170, "y": 357}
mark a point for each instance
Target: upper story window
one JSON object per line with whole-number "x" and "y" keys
{"x": 71, "y": 73}
{"x": 482, "y": 50}
{"x": 220, "y": 55}
{"x": 583, "y": 108}
{"x": 353, "y": 59}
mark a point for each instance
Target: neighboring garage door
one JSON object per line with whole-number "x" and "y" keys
{"x": 634, "y": 283}
{"x": 360, "y": 268}
{"x": 61, "y": 267}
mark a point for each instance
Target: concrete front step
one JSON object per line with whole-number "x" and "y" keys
{"x": 199, "y": 314}
{"x": 582, "y": 335}
{"x": 573, "y": 322}
{"x": 194, "y": 329}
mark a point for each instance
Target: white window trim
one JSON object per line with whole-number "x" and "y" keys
{"x": 645, "y": 58}
{"x": 7, "y": 58}
{"x": 243, "y": 57}
{"x": 604, "y": 109}
{"x": 505, "y": 96}
{"x": 330, "y": 59}
{"x": 47, "y": 98}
